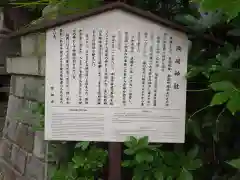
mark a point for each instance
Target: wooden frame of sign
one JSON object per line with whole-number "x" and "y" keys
{"x": 113, "y": 72}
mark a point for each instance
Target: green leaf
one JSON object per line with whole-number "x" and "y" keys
{"x": 169, "y": 178}
{"x": 234, "y": 32}
{"x": 211, "y": 18}
{"x": 126, "y": 163}
{"x": 50, "y": 9}
{"x": 51, "y": 171}
{"x": 186, "y": 19}
{"x": 129, "y": 151}
{"x": 83, "y": 145}
{"x": 193, "y": 152}
{"x": 131, "y": 142}
{"x": 78, "y": 161}
{"x": 139, "y": 171}
{"x": 158, "y": 175}
{"x": 219, "y": 98}
{"x": 73, "y": 6}
{"x": 193, "y": 126}
{"x": 210, "y": 4}
{"x": 137, "y": 177}
{"x": 222, "y": 86}
{"x": 223, "y": 75}
{"x": 235, "y": 163}
{"x": 185, "y": 175}
{"x": 194, "y": 164}
{"x": 170, "y": 158}
{"x": 143, "y": 157}
{"x": 231, "y": 7}
{"x": 143, "y": 142}
{"x": 60, "y": 174}
{"x": 233, "y": 104}
{"x": 196, "y": 129}
{"x": 233, "y": 56}
{"x": 194, "y": 71}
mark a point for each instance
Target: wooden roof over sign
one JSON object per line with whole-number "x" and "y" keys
{"x": 41, "y": 27}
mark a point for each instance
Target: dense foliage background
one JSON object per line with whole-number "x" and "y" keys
{"x": 212, "y": 145}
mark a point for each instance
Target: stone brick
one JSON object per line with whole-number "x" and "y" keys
{"x": 21, "y": 178}
{"x": 30, "y": 88}
{"x": 8, "y": 171}
{"x": 39, "y": 145}
{"x": 9, "y": 175}
{"x": 25, "y": 137}
{"x": 32, "y": 118}
{"x": 19, "y": 86}
{"x": 41, "y": 44}
{"x": 12, "y": 84}
{"x": 29, "y": 45}
{"x": 42, "y": 65}
{"x": 1, "y": 169}
{"x": 33, "y": 44}
{"x": 21, "y": 110}
{"x": 24, "y": 178}
{"x": 5, "y": 129}
{"x": 2, "y": 122}
{"x": 18, "y": 159}
{"x": 35, "y": 168}
{"x": 15, "y": 106}
{"x": 23, "y": 65}
{"x": 11, "y": 130}
{"x": 5, "y": 149}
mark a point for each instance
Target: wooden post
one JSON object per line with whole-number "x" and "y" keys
{"x": 115, "y": 159}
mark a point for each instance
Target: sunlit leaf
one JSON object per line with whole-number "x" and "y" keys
{"x": 194, "y": 71}
{"x": 231, "y": 7}
{"x": 74, "y": 6}
{"x": 222, "y": 86}
{"x": 131, "y": 142}
{"x": 234, "y": 103}
{"x": 219, "y": 98}
{"x": 83, "y": 145}
{"x": 143, "y": 142}
{"x": 235, "y": 163}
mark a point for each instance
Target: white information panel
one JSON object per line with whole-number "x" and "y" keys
{"x": 115, "y": 75}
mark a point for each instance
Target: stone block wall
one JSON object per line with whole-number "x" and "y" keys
{"x": 22, "y": 150}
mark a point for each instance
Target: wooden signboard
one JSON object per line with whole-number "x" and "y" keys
{"x": 113, "y": 75}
